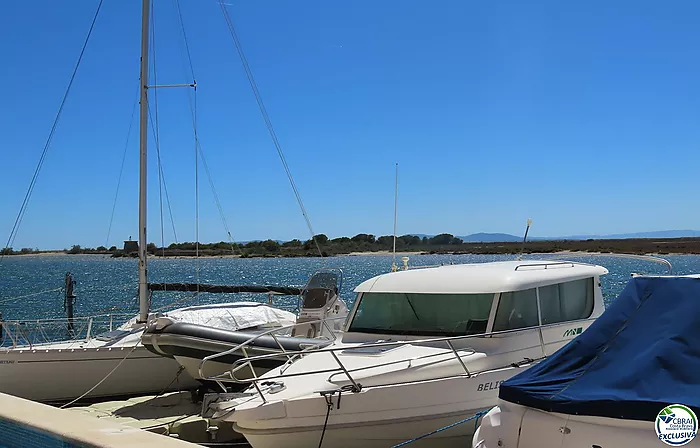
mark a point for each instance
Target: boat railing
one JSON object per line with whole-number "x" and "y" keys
{"x": 291, "y": 356}
{"x": 449, "y": 342}
{"x": 547, "y": 265}
{"x": 30, "y": 333}
{"x": 652, "y": 258}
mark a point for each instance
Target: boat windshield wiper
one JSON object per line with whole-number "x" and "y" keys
{"x": 412, "y": 308}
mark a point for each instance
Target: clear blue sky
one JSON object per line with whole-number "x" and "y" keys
{"x": 582, "y": 115}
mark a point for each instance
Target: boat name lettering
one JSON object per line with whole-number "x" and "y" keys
{"x": 489, "y": 386}
{"x": 7, "y": 361}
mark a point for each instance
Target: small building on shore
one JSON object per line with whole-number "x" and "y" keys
{"x": 131, "y": 246}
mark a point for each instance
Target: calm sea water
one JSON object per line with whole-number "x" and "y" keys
{"x": 105, "y": 284}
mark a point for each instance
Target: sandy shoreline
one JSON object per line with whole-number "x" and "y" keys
{"x": 49, "y": 254}
{"x": 382, "y": 253}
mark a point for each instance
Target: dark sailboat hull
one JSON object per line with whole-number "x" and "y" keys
{"x": 189, "y": 344}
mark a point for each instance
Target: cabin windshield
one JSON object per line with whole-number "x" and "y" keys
{"x": 422, "y": 314}
{"x": 326, "y": 280}
{"x": 322, "y": 287}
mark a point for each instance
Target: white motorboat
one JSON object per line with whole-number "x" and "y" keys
{"x": 207, "y": 350}
{"x": 629, "y": 380}
{"x": 422, "y": 348}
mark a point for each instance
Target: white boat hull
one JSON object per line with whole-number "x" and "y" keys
{"x": 511, "y": 425}
{"x": 371, "y": 435}
{"x": 379, "y": 417}
{"x": 56, "y": 375}
{"x": 62, "y": 371}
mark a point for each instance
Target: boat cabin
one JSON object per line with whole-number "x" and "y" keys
{"x": 475, "y": 299}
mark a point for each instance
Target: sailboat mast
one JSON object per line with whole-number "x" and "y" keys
{"x": 396, "y": 203}
{"x": 143, "y": 270}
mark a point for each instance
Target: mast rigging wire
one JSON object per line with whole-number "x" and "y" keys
{"x": 156, "y": 132}
{"x": 192, "y": 105}
{"x": 103, "y": 379}
{"x": 193, "y": 112}
{"x": 216, "y": 197}
{"x": 121, "y": 170}
{"x": 184, "y": 38}
{"x": 162, "y": 175}
{"x": 13, "y": 299}
{"x": 268, "y": 122}
{"x": 196, "y": 191}
{"x": 155, "y": 127}
{"x": 396, "y": 205}
{"x": 32, "y": 183}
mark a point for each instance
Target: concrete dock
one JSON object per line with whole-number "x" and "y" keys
{"x": 26, "y": 424}
{"x": 170, "y": 414}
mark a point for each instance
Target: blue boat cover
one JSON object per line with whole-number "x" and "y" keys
{"x": 641, "y": 355}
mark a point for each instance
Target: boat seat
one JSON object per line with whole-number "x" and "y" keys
{"x": 238, "y": 337}
{"x": 316, "y": 298}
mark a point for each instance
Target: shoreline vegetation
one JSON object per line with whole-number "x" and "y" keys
{"x": 363, "y": 244}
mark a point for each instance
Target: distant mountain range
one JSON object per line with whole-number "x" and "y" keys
{"x": 484, "y": 237}
{"x": 480, "y": 237}
{"x": 490, "y": 238}
{"x": 505, "y": 237}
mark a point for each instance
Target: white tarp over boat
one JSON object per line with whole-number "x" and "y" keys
{"x": 227, "y": 316}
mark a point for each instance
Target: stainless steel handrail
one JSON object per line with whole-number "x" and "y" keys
{"x": 65, "y": 319}
{"x": 245, "y": 344}
{"x": 407, "y": 360}
{"x": 555, "y": 263}
{"x": 342, "y": 369}
{"x": 39, "y": 331}
{"x": 12, "y": 334}
{"x": 651, "y": 258}
{"x": 426, "y": 266}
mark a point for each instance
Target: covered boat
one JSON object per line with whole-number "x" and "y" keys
{"x": 206, "y": 348}
{"x": 608, "y": 386}
{"x": 87, "y": 365}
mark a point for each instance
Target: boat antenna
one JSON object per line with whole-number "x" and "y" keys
{"x": 394, "y": 268}
{"x": 143, "y": 125}
{"x": 522, "y": 246}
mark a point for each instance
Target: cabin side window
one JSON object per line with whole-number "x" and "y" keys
{"x": 517, "y": 309}
{"x": 422, "y": 314}
{"x": 566, "y": 301}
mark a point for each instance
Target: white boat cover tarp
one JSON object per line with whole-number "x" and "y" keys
{"x": 228, "y": 316}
